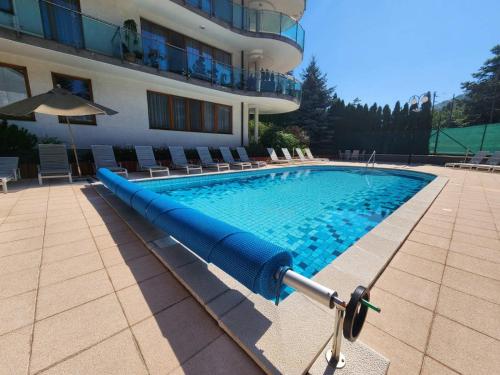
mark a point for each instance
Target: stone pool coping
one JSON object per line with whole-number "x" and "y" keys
{"x": 290, "y": 338}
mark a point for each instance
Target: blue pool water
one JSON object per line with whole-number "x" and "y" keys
{"x": 315, "y": 212}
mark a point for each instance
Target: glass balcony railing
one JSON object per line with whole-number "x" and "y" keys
{"x": 248, "y": 19}
{"x": 67, "y": 26}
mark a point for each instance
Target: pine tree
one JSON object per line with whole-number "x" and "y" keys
{"x": 316, "y": 100}
{"x": 482, "y": 95}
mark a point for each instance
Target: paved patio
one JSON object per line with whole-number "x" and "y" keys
{"x": 79, "y": 293}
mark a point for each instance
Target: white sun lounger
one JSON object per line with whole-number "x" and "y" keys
{"x": 9, "y": 170}
{"x": 242, "y": 153}
{"x": 104, "y": 157}
{"x": 147, "y": 161}
{"x": 311, "y": 157}
{"x": 53, "y": 162}
{"x": 475, "y": 160}
{"x": 274, "y": 157}
{"x": 493, "y": 160}
{"x": 301, "y": 156}
{"x": 288, "y": 157}
{"x": 208, "y": 162}
{"x": 228, "y": 158}
{"x": 179, "y": 160}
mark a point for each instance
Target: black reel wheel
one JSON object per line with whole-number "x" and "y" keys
{"x": 355, "y": 313}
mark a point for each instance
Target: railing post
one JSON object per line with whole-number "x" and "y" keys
{"x": 482, "y": 138}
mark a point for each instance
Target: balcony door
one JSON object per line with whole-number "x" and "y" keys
{"x": 62, "y": 21}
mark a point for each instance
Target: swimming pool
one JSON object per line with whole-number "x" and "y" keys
{"x": 315, "y": 212}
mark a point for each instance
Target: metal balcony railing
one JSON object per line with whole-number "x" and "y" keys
{"x": 249, "y": 19}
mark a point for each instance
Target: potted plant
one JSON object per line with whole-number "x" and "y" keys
{"x": 131, "y": 40}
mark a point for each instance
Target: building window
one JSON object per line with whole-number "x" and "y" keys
{"x": 6, "y": 6}
{"x": 223, "y": 119}
{"x": 170, "y": 112}
{"x": 14, "y": 86}
{"x": 78, "y": 86}
{"x": 158, "y": 111}
{"x": 195, "y": 115}
{"x": 168, "y": 50}
{"x": 208, "y": 117}
{"x": 179, "y": 108}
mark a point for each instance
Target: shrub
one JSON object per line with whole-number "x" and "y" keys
{"x": 15, "y": 140}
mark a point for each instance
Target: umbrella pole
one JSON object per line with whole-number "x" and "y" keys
{"x": 74, "y": 147}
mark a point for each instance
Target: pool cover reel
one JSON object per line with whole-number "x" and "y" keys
{"x": 249, "y": 259}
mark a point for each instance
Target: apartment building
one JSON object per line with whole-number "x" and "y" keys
{"x": 183, "y": 72}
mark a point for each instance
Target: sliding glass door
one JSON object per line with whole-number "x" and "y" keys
{"x": 62, "y": 22}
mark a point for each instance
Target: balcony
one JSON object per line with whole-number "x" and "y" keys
{"x": 248, "y": 19}
{"x": 69, "y": 27}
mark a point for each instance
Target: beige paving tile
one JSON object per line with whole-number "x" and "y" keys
{"x": 474, "y": 265}
{"x": 436, "y": 254}
{"x": 113, "y": 239}
{"x": 62, "y": 296}
{"x": 99, "y": 230}
{"x": 472, "y": 284}
{"x": 404, "y": 359}
{"x": 418, "y": 266}
{"x": 221, "y": 357}
{"x": 432, "y": 367}
{"x": 69, "y": 268}
{"x": 477, "y": 240}
{"x": 116, "y": 355}
{"x": 170, "y": 338}
{"x": 65, "y": 251}
{"x": 66, "y": 238}
{"x": 64, "y": 334}
{"x": 470, "y": 311}
{"x": 398, "y": 315}
{"x": 23, "y": 224}
{"x": 462, "y": 349}
{"x": 18, "y": 262}
{"x": 18, "y": 282}
{"x": 477, "y": 231}
{"x": 24, "y": 217}
{"x": 135, "y": 271}
{"x": 474, "y": 223}
{"x": 436, "y": 223}
{"x": 409, "y": 287}
{"x": 67, "y": 226}
{"x": 151, "y": 296}
{"x": 475, "y": 251}
{"x": 434, "y": 230}
{"x": 15, "y": 352}
{"x": 17, "y": 312}
{"x": 121, "y": 253}
{"x": 429, "y": 239}
{"x": 21, "y": 246}
{"x": 57, "y": 221}
{"x": 440, "y": 218}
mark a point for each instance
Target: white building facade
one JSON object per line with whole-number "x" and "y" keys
{"x": 179, "y": 72}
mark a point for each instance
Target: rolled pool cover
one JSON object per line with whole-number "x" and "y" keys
{"x": 249, "y": 259}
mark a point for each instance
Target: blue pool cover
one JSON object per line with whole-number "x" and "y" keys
{"x": 249, "y": 259}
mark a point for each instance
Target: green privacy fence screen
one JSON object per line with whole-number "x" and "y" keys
{"x": 456, "y": 141}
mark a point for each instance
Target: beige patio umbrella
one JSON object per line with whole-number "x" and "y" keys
{"x": 57, "y": 102}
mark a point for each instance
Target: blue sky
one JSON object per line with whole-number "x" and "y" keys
{"x": 385, "y": 50}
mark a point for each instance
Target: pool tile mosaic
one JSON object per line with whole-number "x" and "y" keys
{"x": 315, "y": 212}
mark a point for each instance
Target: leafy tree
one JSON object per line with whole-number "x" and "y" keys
{"x": 482, "y": 94}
